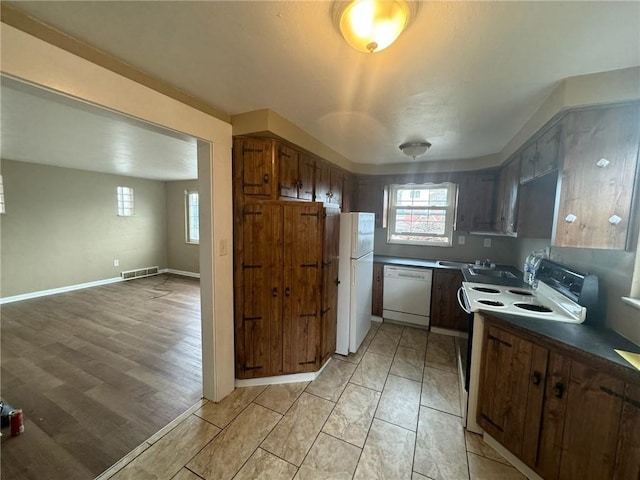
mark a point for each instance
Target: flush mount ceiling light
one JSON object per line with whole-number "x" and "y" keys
{"x": 372, "y": 25}
{"x": 415, "y": 149}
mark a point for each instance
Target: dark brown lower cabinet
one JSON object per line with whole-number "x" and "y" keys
{"x": 445, "y": 311}
{"x": 563, "y": 417}
{"x": 378, "y": 288}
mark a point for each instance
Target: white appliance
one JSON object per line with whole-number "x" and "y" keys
{"x": 407, "y": 294}
{"x": 355, "y": 274}
{"x": 559, "y": 295}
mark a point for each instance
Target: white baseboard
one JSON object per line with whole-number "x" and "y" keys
{"x": 54, "y": 291}
{"x": 181, "y": 272}
{"x": 511, "y": 458}
{"x": 295, "y": 377}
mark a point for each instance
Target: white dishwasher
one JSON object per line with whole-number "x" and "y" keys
{"x": 407, "y": 294}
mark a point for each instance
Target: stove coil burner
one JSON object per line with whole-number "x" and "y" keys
{"x": 533, "y": 307}
{"x": 492, "y": 303}
{"x": 485, "y": 289}
{"x": 515, "y": 291}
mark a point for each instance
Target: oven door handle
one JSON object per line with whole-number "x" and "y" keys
{"x": 462, "y": 301}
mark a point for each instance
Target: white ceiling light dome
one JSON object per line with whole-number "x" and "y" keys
{"x": 415, "y": 149}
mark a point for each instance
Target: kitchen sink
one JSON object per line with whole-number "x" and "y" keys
{"x": 486, "y": 272}
{"x": 446, "y": 263}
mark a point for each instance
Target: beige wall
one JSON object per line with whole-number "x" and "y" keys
{"x": 181, "y": 255}
{"x": 61, "y": 227}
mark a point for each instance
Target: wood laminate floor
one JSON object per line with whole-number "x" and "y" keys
{"x": 97, "y": 372}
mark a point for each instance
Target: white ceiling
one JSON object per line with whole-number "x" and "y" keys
{"x": 465, "y": 76}
{"x": 39, "y": 126}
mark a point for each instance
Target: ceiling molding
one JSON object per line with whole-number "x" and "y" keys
{"x": 28, "y": 24}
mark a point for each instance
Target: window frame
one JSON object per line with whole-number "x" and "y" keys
{"x": 125, "y": 201}
{"x": 189, "y": 217}
{"x": 450, "y": 212}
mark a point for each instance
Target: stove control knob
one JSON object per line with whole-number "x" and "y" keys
{"x": 570, "y": 218}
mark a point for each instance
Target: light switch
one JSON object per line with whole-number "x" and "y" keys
{"x": 487, "y": 242}
{"x": 461, "y": 240}
{"x": 223, "y": 247}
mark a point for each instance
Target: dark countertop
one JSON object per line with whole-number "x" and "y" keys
{"x": 585, "y": 341}
{"x": 468, "y": 277}
{"x": 412, "y": 262}
{"x": 406, "y": 262}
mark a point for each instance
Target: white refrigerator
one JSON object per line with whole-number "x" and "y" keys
{"x": 355, "y": 273}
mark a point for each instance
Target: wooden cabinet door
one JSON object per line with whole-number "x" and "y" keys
{"x": 347, "y": 193}
{"x": 475, "y": 202}
{"x": 527, "y": 162}
{"x": 370, "y": 197}
{"x": 301, "y": 312}
{"x": 335, "y": 190}
{"x": 547, "y": 148}
{"x": 260, "y": 329}
{"x": 594, "y": 194}
{"x": 445, "y": 311}
{"x": 256, "y": 158}
{"x": 591, "y": 423}
{"x": 378, "y": 289}
{"x": 323, "y": 182}
{"x": 306, "y": 172}
{"x": 329, "y": 308}
{"x": 628, "y": 451}
{"x": 511, "y": 186}
{"x": 288, "y": 171}
{"x": 504, "y": 387}
{"x": 547, "y": 460}
{"x": 329, "y": 312}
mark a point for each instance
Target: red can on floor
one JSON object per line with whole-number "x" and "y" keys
{"x": 17, "y": 422}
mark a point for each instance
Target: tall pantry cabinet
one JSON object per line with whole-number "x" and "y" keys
{"x": 285, "y": 262}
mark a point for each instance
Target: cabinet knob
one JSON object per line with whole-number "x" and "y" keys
{"x": 614, "y": 219}
{"x": 536, "y": 378}
{"x": 570, "y": 218}
{"x": 265, "y": 178}
{"x": 602, "y": 163}
{"x": 274, "y": 292}
{"x": 287, "y": 292}
{"x": 558, "y": 390}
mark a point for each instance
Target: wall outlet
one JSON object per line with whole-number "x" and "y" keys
{"x": 487, "y": 242}
{"x": 116, "y": 263}
{"x": 461, "y": 240}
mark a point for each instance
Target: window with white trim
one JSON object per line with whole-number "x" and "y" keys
{"x": 125, "y": 201}
{"x": 192, "y": 201}
{"x": 421, "y": 214}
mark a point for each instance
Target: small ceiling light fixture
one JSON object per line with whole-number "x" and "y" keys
{"x": 372, "y": 25}
{"x": 415, "y": 149}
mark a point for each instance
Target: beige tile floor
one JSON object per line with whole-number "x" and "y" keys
{"x": 390, "y": 411}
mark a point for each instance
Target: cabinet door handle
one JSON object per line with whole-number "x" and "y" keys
{"x": 274, "y": 292}
{"x": 536, "y": 378}
{"x": 287, "y": 292}
{"x": 265, "y": 178}
{"x": 558, "y": 390}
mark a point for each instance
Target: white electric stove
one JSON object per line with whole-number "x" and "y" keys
{"x": 540, "y": 302}
{"x": 559, "y": 294}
